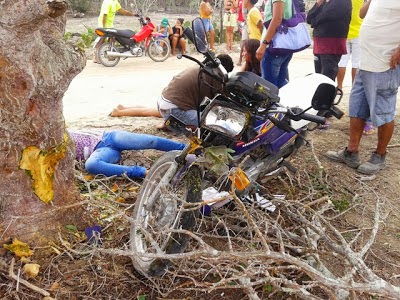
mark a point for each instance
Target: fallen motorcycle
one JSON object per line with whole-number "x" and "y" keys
{"x": 125, "y": 43}
{"x": 245, "y": 133}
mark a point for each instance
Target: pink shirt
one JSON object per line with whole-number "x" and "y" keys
{"x": 85, "y": 143}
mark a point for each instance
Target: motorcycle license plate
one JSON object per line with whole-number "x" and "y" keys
{"x": 239, "y": 179}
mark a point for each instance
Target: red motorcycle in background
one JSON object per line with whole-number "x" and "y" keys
{"x": 125, "y": 43}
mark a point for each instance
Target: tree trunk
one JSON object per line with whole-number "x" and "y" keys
{"x": 36, "y": 157}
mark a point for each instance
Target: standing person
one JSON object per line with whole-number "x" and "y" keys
{"x": 353, "y": 51}
{"x": 106, "y": 18}
{"x": 102, "y": 150}
{"x": 176, "y": 38}
{"x": 274, "y": 68}
{"x": 205, "y": 15}
{"x": 230, "y": 21}
{"x": 242, "y": 15}
{"x": 330, "y": 22}
{"x": 352, "y": 44}
{"x": 375, "y": 88}
{"x": 254, "y": 20}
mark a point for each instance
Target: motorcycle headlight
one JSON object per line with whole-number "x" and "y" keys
{"x": 225, "y": 120}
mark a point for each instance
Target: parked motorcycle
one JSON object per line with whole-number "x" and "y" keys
{"x": 245, "y": 134}
{"x": 125, "y": 43}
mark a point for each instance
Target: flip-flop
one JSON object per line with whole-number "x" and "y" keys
{"x": 325, "y": 126}
{"x": 368, "y": 129}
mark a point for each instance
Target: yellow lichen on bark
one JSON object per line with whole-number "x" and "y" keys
{"x": 41, "y": 166}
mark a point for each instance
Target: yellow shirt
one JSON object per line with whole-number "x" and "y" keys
{"x": 356, "y": 21}
{"x": 109, "y": 8}
{"x": 253, "y": 17}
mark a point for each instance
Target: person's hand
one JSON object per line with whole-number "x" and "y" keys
{"x": 320, "y": 2}
{"x": 395, "y": 59}
{"x": 260, "y": 51}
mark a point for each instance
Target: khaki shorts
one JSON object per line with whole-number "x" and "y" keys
{"x": 230, "y": 19}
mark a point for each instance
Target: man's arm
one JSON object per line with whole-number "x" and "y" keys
{"x": 364, "y": 9}
{"x": 125, "y": 12}
{"x": 395, "y": 59}
{"x": 104, "y": 20}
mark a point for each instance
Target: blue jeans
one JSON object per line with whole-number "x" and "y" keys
{"x": 374, "y": 95}
{"x": 104, "y": 160}
{"x": 275, "y": 68}
{"x": 187, "y": 117}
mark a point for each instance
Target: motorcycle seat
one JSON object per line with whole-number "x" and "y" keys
{"x": 125, "y": 33}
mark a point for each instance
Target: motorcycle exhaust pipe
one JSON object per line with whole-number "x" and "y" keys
{"x": 118, "y": 54}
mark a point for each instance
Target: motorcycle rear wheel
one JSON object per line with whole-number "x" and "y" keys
{"x": 151, "y": 228}
{"x": 159, "y": 50}
{"x": 104, "y": 59}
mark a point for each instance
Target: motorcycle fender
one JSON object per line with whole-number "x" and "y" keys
{"x": 96, "y": 41}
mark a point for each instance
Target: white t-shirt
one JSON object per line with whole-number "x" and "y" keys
{"x": 379, "y": 35}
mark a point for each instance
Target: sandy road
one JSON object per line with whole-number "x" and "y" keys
{"x": 139, "y": 81}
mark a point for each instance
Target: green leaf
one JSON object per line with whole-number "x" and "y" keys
{"x": 141, "y": 297}
{"x": 71, "y": 227}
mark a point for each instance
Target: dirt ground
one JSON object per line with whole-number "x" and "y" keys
{"x": 139, "y": 81}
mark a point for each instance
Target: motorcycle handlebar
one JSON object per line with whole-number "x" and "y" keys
{"x": 309, "y": 117}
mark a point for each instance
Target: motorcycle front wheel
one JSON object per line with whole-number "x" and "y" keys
{"x": 104, "y": 59}
{"x": 159, "y": 50}
{"x": 153, "y": 223}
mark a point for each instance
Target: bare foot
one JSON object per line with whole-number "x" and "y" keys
{"x": 115, "y": 112}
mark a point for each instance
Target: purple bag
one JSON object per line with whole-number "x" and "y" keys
{"x": 292, "y": 35}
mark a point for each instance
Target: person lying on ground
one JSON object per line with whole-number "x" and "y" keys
{"x": 183, "y": 95}
{"x": 101, "y": 151}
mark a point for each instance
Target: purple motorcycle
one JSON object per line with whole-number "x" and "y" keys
{"x": 245, "y": 134}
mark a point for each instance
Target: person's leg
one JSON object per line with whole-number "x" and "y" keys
{"x": 104, "y": 160}
{"x": 124, "y": 140}
{"x": 174, "y": 41}
{"x": 136, "y": 112}
{"x": 241, "y": 54}
{"x": 182, "y": 44}
{"x": 270, "y": 67}
{"x": 340, "y": 77}
{"x": 329, "y": 65}
{"x": 385, "y": 133}
{"x": 344, "y": 59}
{"x": 231, "y": 29}
{"x": 212, "y": 37}
{"x": 95, "y": 58}
{"x": 359, "y": 112}
{"x": 284, "y": 72}
{"x": 317, "y": 63}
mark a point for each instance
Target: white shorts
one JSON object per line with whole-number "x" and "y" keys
{"x": 230, "y": 19}
{"x": 353, "y": 51}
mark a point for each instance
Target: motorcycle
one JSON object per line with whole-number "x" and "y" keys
{"x": 125, "y": 43}
{"x": 245, "y": 133}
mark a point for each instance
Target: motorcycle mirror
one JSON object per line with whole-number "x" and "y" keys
{"x": 200, "y": 36}
{"x": 324, "y": 96}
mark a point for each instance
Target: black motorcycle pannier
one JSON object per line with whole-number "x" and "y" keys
{"x": 252, "y": 86}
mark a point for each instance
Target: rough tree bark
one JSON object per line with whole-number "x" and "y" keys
{"x": 36, "y": 161}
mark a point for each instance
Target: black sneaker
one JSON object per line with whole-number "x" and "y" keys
{"x": 376, "y": 163}
{"x": 351, "y": 159}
